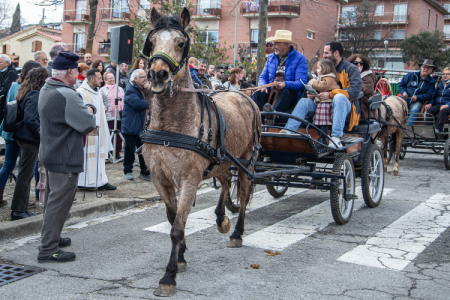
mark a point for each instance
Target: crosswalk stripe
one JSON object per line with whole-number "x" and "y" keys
{"x": 285, "y": 233}
{"x": 206, "y": 218}
{"x": 397, "y": 245}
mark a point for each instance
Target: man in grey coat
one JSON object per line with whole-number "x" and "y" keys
{"x": 64, "y": 120}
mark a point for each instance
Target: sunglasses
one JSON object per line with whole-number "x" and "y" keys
{"x": 446, "y": 74}
{"x": 361, "y": 63}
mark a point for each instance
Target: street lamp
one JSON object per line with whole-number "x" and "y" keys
{"x": 386, "y": 42}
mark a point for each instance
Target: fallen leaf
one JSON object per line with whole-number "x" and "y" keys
{"x": 246, "y": 268}
{"x": 254, "y": 266}
{"x": 268, "y": 251}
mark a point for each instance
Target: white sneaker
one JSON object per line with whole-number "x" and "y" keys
{"x": 285, "y": 131}
{"x": 337, "y": 141}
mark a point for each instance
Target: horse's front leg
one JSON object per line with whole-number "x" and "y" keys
{"x": 222, "y": 221}
{"x": 245, "y": 186}
{"x": 186, "y": 199}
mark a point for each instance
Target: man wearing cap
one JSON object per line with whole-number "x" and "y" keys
{"x": 64, "y": 120}
{"x": 417, "y": 88}
{"x": 286, "y": 66}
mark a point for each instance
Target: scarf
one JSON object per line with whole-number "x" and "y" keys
{"x": 81, "y": 77}
{"x": 112, "y": 98}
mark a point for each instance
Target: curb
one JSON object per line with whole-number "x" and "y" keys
{"x": 33, "y": 225}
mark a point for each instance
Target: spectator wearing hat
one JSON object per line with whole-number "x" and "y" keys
{"x": 64, "y": 119}
{"x": 287, "y": 67}
{"x": 417, "y": 88}
{"x": 82, "y": 71}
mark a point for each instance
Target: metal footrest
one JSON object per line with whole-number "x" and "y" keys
{"x": 351, "y": 140}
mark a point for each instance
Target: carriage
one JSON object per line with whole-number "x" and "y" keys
{"x": 300, "y": 160}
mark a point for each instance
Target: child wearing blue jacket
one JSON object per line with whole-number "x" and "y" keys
{"x": 193, "y": 64}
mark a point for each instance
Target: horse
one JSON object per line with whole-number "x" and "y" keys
{"x": 393, "y": 114}
{"x": 176, "y": 109}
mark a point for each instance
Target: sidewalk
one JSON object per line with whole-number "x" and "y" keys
{"x": 127, "y": 195}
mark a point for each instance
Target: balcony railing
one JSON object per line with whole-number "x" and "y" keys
{"x": 103, "y": 48}
{"x": 207, "y": 11}
{"x": 118, "y": 14}
{"x": 77, "y": 48}
{"x": 253, "y": 47}
{"x": 386, "y": 18}
{"x": 276, "y": 8}
{"x": 73, "y": 16}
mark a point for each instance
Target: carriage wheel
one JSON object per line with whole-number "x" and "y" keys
{"x": 447, "y": 154}
{"x": 403, "y": 152}
{"x": 277, "y": 191}
{"x": 341, "y": 208}
{"x": 372, "y": 177}
{"x": 232, "y": 201}
{"x": 384, "y": 87}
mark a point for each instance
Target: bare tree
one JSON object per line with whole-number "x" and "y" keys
{"x": 5, "y": 11}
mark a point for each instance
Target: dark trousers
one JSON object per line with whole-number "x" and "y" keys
{"x": 442, "y": 116}
{"x": 119, "y": 139}
{"x": 60, "y": 190}
{"x": 132, "y": 142}
{"x": 286, "y": 99}
{"x": 22, "y": 190}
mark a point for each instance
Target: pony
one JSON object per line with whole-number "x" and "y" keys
{"x": 177, "y": 109}
{"x": 393, "y": 114}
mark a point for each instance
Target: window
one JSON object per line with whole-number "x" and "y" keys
{"x": 347, "y": 36}
{"x": 447, "y": 31}
{"x": 429, "y": 13}
{"x": 379, "y": 10}
{"x": 398, "y": 34}
{"x": 6, "y": 49}
{"x": 144, "y": 4}
{"x": 81, "y": 9}
{"x": 119, "y": 7}
{"x": 310, "y": 34}
{"x": 348, "y": 13}
{"x": 255, "y": 34}
{"x": 210, "y": 37}
{"x": 377, "y": 34}
{"x": 36, "y": 46}
{"x": 435, "y": 24}
{"x": 400, "y": 12}
{"x": 447, "y": 7}
{"x": 206, "y": 7}
{"x": 78, "y": 41}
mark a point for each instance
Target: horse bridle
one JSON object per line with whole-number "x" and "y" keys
{"x": 173, "y": 65}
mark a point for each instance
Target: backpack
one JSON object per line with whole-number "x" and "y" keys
{"x": 10, "y": 120}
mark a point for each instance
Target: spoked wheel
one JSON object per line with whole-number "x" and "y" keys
{"x": 232, "y": 201}
{"x": 447, "y": 154}
{"x": 341, "y": 208}
{"x": 372, "y": 176}
{"x": 403, "y": 152}
{"x": 277, "y": 191}
{"x": 384, "y": 87}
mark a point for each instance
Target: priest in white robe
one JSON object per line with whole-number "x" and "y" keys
{"x": 97, "y": 143}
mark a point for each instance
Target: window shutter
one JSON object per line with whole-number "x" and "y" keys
{"x": 38, "y": 46}
{"x": 33, "y": 46}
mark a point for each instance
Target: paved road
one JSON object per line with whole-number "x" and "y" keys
{"x": 399, "y": 250}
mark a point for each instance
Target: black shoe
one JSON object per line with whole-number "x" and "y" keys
{"x": 65, "y": 242}
{"x": 30, "y": 214}
{"x": 118, "y": 156}
{"x": 59, "y": 256}
{"x": 107, "y": 187}
{"x": 17, "y": 215}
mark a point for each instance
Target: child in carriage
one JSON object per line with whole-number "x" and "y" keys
{"x": 326, "y": 81}
{"x": 193, "y": 65}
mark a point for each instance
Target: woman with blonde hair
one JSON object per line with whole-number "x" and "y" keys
{"x": 236, "y": 75}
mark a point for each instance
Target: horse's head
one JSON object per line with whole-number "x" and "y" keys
{"x": 169, "y": 45}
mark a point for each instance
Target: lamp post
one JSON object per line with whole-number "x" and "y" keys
{"x": 386, "y": 42}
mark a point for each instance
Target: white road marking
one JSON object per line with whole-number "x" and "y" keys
{"x": 206, "y": 218}
{"x": 401, "y": 242}
{"x": 285, "y": 233}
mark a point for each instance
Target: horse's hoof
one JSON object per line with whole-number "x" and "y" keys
{"x": 234, "y": 243}
{"x": 394, "y": 173}
{"x": 165, "y": 290}
{"x": 181, "y": 267}
{"x": 225, "y": 226}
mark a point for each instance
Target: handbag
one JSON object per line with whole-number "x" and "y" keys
{"x": 10, "y": 120}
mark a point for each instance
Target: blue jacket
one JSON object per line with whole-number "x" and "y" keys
{"x": 194, "y": 75}
{"x": 296, "y": 69}
{"x": 134, "y": 106}
{"x": 441, "y": 96}
{"x": 28, "y": 115}
{"x": 414, "y": 85}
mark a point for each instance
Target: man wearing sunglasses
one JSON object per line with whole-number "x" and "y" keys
{"x": 417, "y": 88}
{"x": 216, "y": 80}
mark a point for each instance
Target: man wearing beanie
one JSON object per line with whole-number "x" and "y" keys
{"x": 64, "y": 120}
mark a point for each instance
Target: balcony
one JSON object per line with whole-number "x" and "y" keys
{"x": 275, "y": 9}
{"x": 208, "y": 11}
{"x": 253, "y": 48}
{"x": 103, "y": 49}
{"x": 76, "y": 17}
{"x": 388, "y": 18}
{"x": 78, "y": 49}
{"x": 116, "y": 15}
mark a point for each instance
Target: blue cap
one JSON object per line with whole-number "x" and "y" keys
{"x": 65, "y": 61}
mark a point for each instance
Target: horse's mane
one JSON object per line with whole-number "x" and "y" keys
{"x": 165, "y": 21}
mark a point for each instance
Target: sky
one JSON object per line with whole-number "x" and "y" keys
{"x": 32, "y": 14}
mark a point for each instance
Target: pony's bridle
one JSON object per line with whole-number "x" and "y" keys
{"x": 173, "y": 65}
